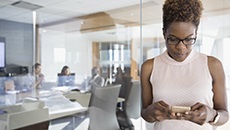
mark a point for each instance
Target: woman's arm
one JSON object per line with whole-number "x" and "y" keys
{"x": 219, "y": 90}
{"x": 218, "y": 115}
{"x": 146, "y": 89}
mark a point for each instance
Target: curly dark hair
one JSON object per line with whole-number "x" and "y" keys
{"x": 182, "y": 11}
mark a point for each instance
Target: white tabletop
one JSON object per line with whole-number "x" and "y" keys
{"x": 66, "y": 112}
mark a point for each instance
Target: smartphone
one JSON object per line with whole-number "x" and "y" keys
{"x": 180, "y": 109}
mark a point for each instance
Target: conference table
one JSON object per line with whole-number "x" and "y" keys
{"x": 23, "y": 115}
{"x": 79, "y": 99}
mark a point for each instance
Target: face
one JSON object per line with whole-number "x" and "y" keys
{"x": 94, "y": 72}
{"x": 67, "y": 71}
{"x": 180, "y": 30}
{"x": 38, "y": 70}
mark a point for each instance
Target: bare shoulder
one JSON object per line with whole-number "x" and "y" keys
{"x": 148, "y": 64}
{"x": 214, "y": 63}
{"x": 215, "y": 67}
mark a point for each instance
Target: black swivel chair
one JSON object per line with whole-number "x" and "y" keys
{"x": 126, "y": 84}
{"x": 131, "y": 107}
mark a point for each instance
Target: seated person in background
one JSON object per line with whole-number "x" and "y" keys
{"x": 95, "y": 78}
{"x": 125, "y": 80}
{"x": 65, "y": 78}
{"x": 65, "y": 71}
{"x": 36, "y": 76}
{"x": 119, "y": 76}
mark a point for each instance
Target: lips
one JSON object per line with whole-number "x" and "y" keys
{"x": 179, "y": 54}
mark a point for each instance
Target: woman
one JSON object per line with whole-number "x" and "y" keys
{"x": 65, "y": 78}
{"x": 183, "y": 77}
{"x": 65, "y": 71}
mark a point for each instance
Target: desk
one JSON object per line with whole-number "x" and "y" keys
{"x": 18, "y": 119}
{"x": 83, "y": 98}
{"x": 43, "y": 114}
{"x": 66, "y": 112}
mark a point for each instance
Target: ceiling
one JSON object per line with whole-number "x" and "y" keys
{"x": 51, "y": 11}
{"x": 68, "y": 15}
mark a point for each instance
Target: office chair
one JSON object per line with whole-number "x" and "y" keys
{"x": 126, "y": 84}
{"x": 102, "y": 108}
{"x": 131, "y": 107}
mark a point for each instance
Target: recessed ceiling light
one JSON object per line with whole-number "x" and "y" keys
{"x": 26, "y": 5}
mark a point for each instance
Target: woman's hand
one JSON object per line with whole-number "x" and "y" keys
{"x": 159, "y": 111}
{"x": 200, "y": 114}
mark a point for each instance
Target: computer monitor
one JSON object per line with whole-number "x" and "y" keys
{"x": 64, "y": 80}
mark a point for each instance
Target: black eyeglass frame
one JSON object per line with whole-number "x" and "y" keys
{"x": 179, "y": 40}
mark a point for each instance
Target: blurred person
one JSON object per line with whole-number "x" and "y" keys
{"x": 95, "y": 78}
{"x": 65, "y": 71}
{"x": 66, "y": 78}
{"x": 37, "y": 77}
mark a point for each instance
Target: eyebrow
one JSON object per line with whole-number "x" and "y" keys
{"x": 179, "y": 38}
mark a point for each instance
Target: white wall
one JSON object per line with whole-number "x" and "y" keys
{"x": 77, "y": 57}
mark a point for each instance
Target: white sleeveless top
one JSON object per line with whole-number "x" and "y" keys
{"x": 181, "y": 84}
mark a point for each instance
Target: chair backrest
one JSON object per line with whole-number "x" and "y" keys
{"x": 102, "y": 108}
{"x": 126, "y": 83}
{"x": 60, "y": 74}
{"x": 133, "y": 101}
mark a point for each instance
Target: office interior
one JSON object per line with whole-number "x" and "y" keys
{"x": 83, "y": 34}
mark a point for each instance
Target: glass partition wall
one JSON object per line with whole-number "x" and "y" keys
{"x": 17, "y": 51}
{"x": 113, "y": 36}
{"x": 81, "y": 47}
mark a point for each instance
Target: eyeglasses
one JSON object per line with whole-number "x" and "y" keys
{"x": 175, "y": 41}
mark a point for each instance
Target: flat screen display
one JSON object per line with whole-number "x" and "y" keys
{"x": 2, "y": 54}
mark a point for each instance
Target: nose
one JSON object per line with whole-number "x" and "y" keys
{"x": 181, "y": 45}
